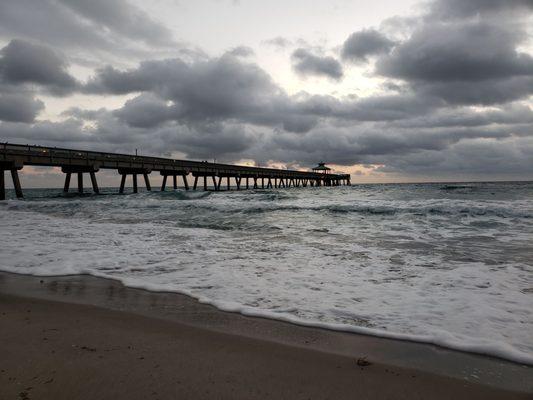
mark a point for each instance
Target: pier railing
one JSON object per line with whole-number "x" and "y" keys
{"x": 13, "y": 157}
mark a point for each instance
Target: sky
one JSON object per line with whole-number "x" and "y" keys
{"x": 403, "y": 91}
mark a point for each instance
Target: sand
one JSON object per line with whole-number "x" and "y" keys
{"x": 88, "y": 338}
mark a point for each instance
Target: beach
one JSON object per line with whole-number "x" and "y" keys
{"x": 84, "y": 337}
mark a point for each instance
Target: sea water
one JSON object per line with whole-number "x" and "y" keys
{"x": 450, "y": 264}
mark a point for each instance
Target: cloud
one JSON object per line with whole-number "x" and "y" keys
{"x": 89, "y": 29}
{"x": 466, "y": 53}
{"x": 120, "y": 17}
{"x": 144, "y": 111}
{"x": 19, "y": 107}
{"x": 23, "y": 62}
{"x": 220, "y": 89}
{"x": 241, "y": 51}
{"x": 306, "y": 64}
{"x": 461, "y": 52}
{"x": 459, "y": 9}
{"x": 278, "y": 42}
{"x": 363, "y": 44}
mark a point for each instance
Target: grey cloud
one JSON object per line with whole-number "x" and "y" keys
{"x": 306, "y": 63}
{"x": 144, "y": 111}
{"x": 228, "y": 89}
{"x": 368, "y": 42}
{"x": 466, "y": 53}
{"x": 223, "y": 141}
{"x": 477, "y": 158}
{"x": 487, "y": 92}
{"x": 79, "y": 113}
{"x": 462, "y": 52}
{"x": 19, "y": 107}
{"x": 454, "y": 9}
{"x": 121, "y": 18}
{"x": 24, "y": 62}
{"x": 278, "y": 42}
{"x": 509, "y": 115}
{"x": 89, "y": 28}
{"x": 241, "y": 51}
{"x": 220, "y": 89}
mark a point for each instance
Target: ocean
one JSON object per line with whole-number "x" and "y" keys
{"x": 449, "y": 264}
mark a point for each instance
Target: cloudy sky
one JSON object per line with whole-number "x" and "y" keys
{"x": 388, "y": 91}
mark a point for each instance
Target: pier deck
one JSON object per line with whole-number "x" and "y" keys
{"x": 14, "y": 157}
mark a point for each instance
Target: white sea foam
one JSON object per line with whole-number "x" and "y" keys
{"x": 445, "y": 266}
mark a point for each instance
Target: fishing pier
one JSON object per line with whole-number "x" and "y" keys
{"x": 205, "y": 175}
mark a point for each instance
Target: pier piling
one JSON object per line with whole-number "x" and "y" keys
{"x": 68, "y": 170}
{"x": 13, "y": 167}
{"x": 124, "y": 172}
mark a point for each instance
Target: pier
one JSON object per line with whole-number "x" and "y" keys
{"x": 13, "y": 157}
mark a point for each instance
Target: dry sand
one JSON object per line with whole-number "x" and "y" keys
{"x": 57, "y": 350}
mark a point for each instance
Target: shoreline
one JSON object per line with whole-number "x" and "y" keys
{"x": 428, "y": 362}
{"x": 253, "y": 313}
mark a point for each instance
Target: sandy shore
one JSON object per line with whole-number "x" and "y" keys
{"x": 87, "y": 338}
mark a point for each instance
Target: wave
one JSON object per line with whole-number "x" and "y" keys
{"x": 59, "y": 206}
{"x": 456, "y": 187}
{"x": 459, "y": 210}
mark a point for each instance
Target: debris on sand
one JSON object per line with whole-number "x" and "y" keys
{"x": 363, "y": 362}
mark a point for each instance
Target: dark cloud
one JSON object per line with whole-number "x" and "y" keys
{"x": 220, "y": 89}
{"x": 305, "y": 63}
{"x": 466, "y": 53}
{"x": 120, "y": 17}
{"x": 474, "y": 51}
{"x": 487, "y": 92}
{"x": 459, "y": 9}
{"x": 145, "y": 111}
{"x": 19, "y": 107}
{"x": 510, "y": 115}
{"x": 206, "y": 141}
{"x": 88, "y": 28}
{"x": 23, "y": 62}
{"x": 368, "y": 42}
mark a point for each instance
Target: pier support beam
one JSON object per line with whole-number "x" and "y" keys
{"x": 174, "y": 175}
{"x": 80, "y": 182}
{"x": 13, "y": 168}
{"x": 94, "y": 183}
{"x": 68, "y": 170}
{"x": 204, "y": 176}
{"x": 16, "y": 183}
{"x": 147, "y": 182}
{"x": 134, "y": 172}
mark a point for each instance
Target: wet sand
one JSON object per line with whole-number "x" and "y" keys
{"x": 81, "y": 337}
